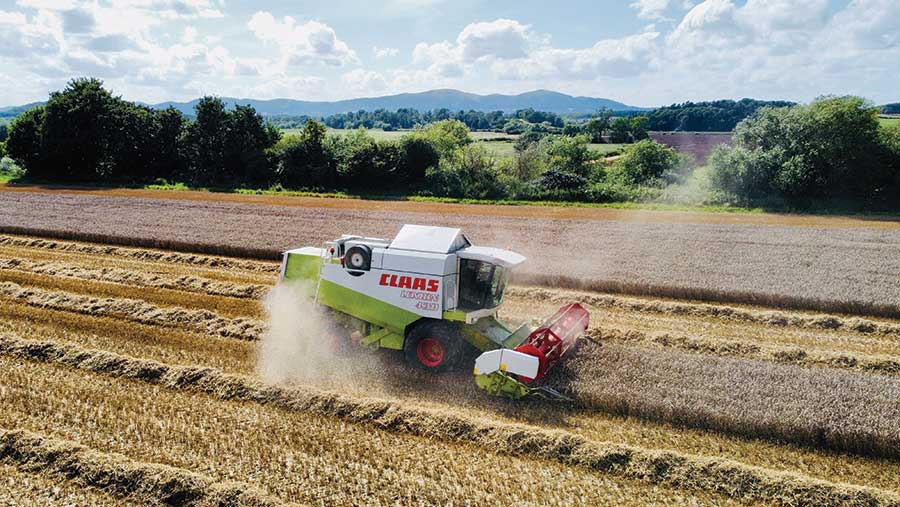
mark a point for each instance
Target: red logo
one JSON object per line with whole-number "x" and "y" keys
{"x": 409, "y": 282}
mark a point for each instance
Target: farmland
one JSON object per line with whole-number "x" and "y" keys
{"x": 787, "y": 261}
{"x": 134, "y": 374}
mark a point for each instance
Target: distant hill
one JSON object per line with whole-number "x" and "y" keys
{"x": 455, "y": 100}
{"x": 13, "y": 111}
{"x": 891, "y": 108}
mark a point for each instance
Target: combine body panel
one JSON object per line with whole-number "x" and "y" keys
{"x": 425, "y": 292}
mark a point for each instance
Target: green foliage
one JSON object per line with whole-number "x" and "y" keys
{"x": 446, "y": 136}
{"x": 2, "y": 149}
{"x": 24, "y": 143}
{"x": 572, "y": 155}
{"x": 596, "y": 126}
{"x": 306, "y": 160}
{"x": 717, "y": 116}
{"x": 469, "y": 172}
{"x": 620, "y": 130}
{"x": 649, "y": 163}
{"x": 227, "y": 148}
{"x": 527, "y": 139}
{"x": 4, "y": 132}
{"x": 830, "y": 149}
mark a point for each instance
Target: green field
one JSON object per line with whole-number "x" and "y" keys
{"x": 498, "y": 143}
{"x": 889, "y": 120}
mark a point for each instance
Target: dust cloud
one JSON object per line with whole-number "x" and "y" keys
{"x": 299, "y": 344}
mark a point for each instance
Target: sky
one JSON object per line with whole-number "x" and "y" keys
{"x": 640, "y": 52}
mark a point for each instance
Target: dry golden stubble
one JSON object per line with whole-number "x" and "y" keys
{"x": 884, "y": 365}
{"x": 769, "y": 317}
{"x": 21, "y": 489}
{"x": 136, "y": 310}
{"x": 120, "y": 475}
{"x": 232, "y": 307}
{"x": 301, "y": 457}
{"x": 165, "y": 344}
{"x": 373, "y": 374}
{"x": 185, "y": 283}
{"x": 138, "y": 253}
{"x": 657, "y": 467}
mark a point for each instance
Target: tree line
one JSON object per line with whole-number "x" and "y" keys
{"x": 832, "y": 151}
{"x": 716, "y": 116}
{"x": 407, "y": 119}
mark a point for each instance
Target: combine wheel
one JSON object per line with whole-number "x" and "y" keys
{"x": 433, "y": 346}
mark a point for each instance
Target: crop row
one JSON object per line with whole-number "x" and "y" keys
{"x": 756, "y": 399}
{"x": 884, "y": 365}
{"x": 134, "y": 253}
{"x": 766, "y": 317}
{"x": 136, "y": 310}
{"x": 657, "y": 467}
{"x": 185, "y": 283}
{"x": 123, "y": 476}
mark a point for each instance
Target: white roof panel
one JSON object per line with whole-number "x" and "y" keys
{"x": 426, "y": 238}
{"x": 491, "y": 255}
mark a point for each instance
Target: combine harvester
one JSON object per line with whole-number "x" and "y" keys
{"x": 426, "y": 292}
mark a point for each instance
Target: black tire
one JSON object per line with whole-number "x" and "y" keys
{"x": 433, "y": 345}
{"x": 358, "y": 258}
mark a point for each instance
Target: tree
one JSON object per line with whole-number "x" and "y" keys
{"x": 247, "y": 138}
{"x": 78, "y": 132}
{"x": 649, "y": 162}
{"x": 831, "y": 148}
{"x": 620, "y": 130}
{"x": 4, "y": 132}
{"x": 469, "y": 172}
{"x": 24, "y": 142}
{"x": 418, "y": 156}
{"x": 203, "y": 143}
{"x": 638, "y": 128}
{"x": 306, "y": 160}
{"x": 597, "y": 125}
{"x": 571, "y": 154}
{"x": 446, "y": 136}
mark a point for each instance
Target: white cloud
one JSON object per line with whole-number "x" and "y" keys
{"x": 650, "y": 9}
{"x": 312, "y": 41}
{"x": 384, "y": 52}
{"x": 628, "y": 56}
{"x": 501, "y": 38}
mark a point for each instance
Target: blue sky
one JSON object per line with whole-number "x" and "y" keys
{"x": 642, "y": 52}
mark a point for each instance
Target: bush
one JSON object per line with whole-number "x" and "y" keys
{"x": 572, "y": 155}
{"x": 832, "y": 149}
{"x": 648, "y": 162}
{"x": 9, "y": 168}
{"x": 305, "y": 160}
{"x": 527, "y": 139}
{"x": 445, "y": 136}
{"x": 560, "y": 180}
{"x": 2, "y": 149}
{"x": 24, "y": 142}
{"x": 470, "y": 172}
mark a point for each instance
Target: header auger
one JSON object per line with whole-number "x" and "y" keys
{"x": 426, "y": 292}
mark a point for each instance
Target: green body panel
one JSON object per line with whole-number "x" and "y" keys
{"x": 366, "y": 308}
{"x": 302, "y": 267}
{"x": 501, "y": 384}
{"x": 455, "y": 315}
{"x": 385, "y": 338}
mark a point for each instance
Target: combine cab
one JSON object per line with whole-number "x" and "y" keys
{"x": 428, "y": 290}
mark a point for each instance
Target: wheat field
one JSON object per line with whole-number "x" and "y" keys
{"x": 131, "y": 377}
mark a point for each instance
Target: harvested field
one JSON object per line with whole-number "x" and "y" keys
{"x": 773, "y": 265}
{"x": 106, "y": 361}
